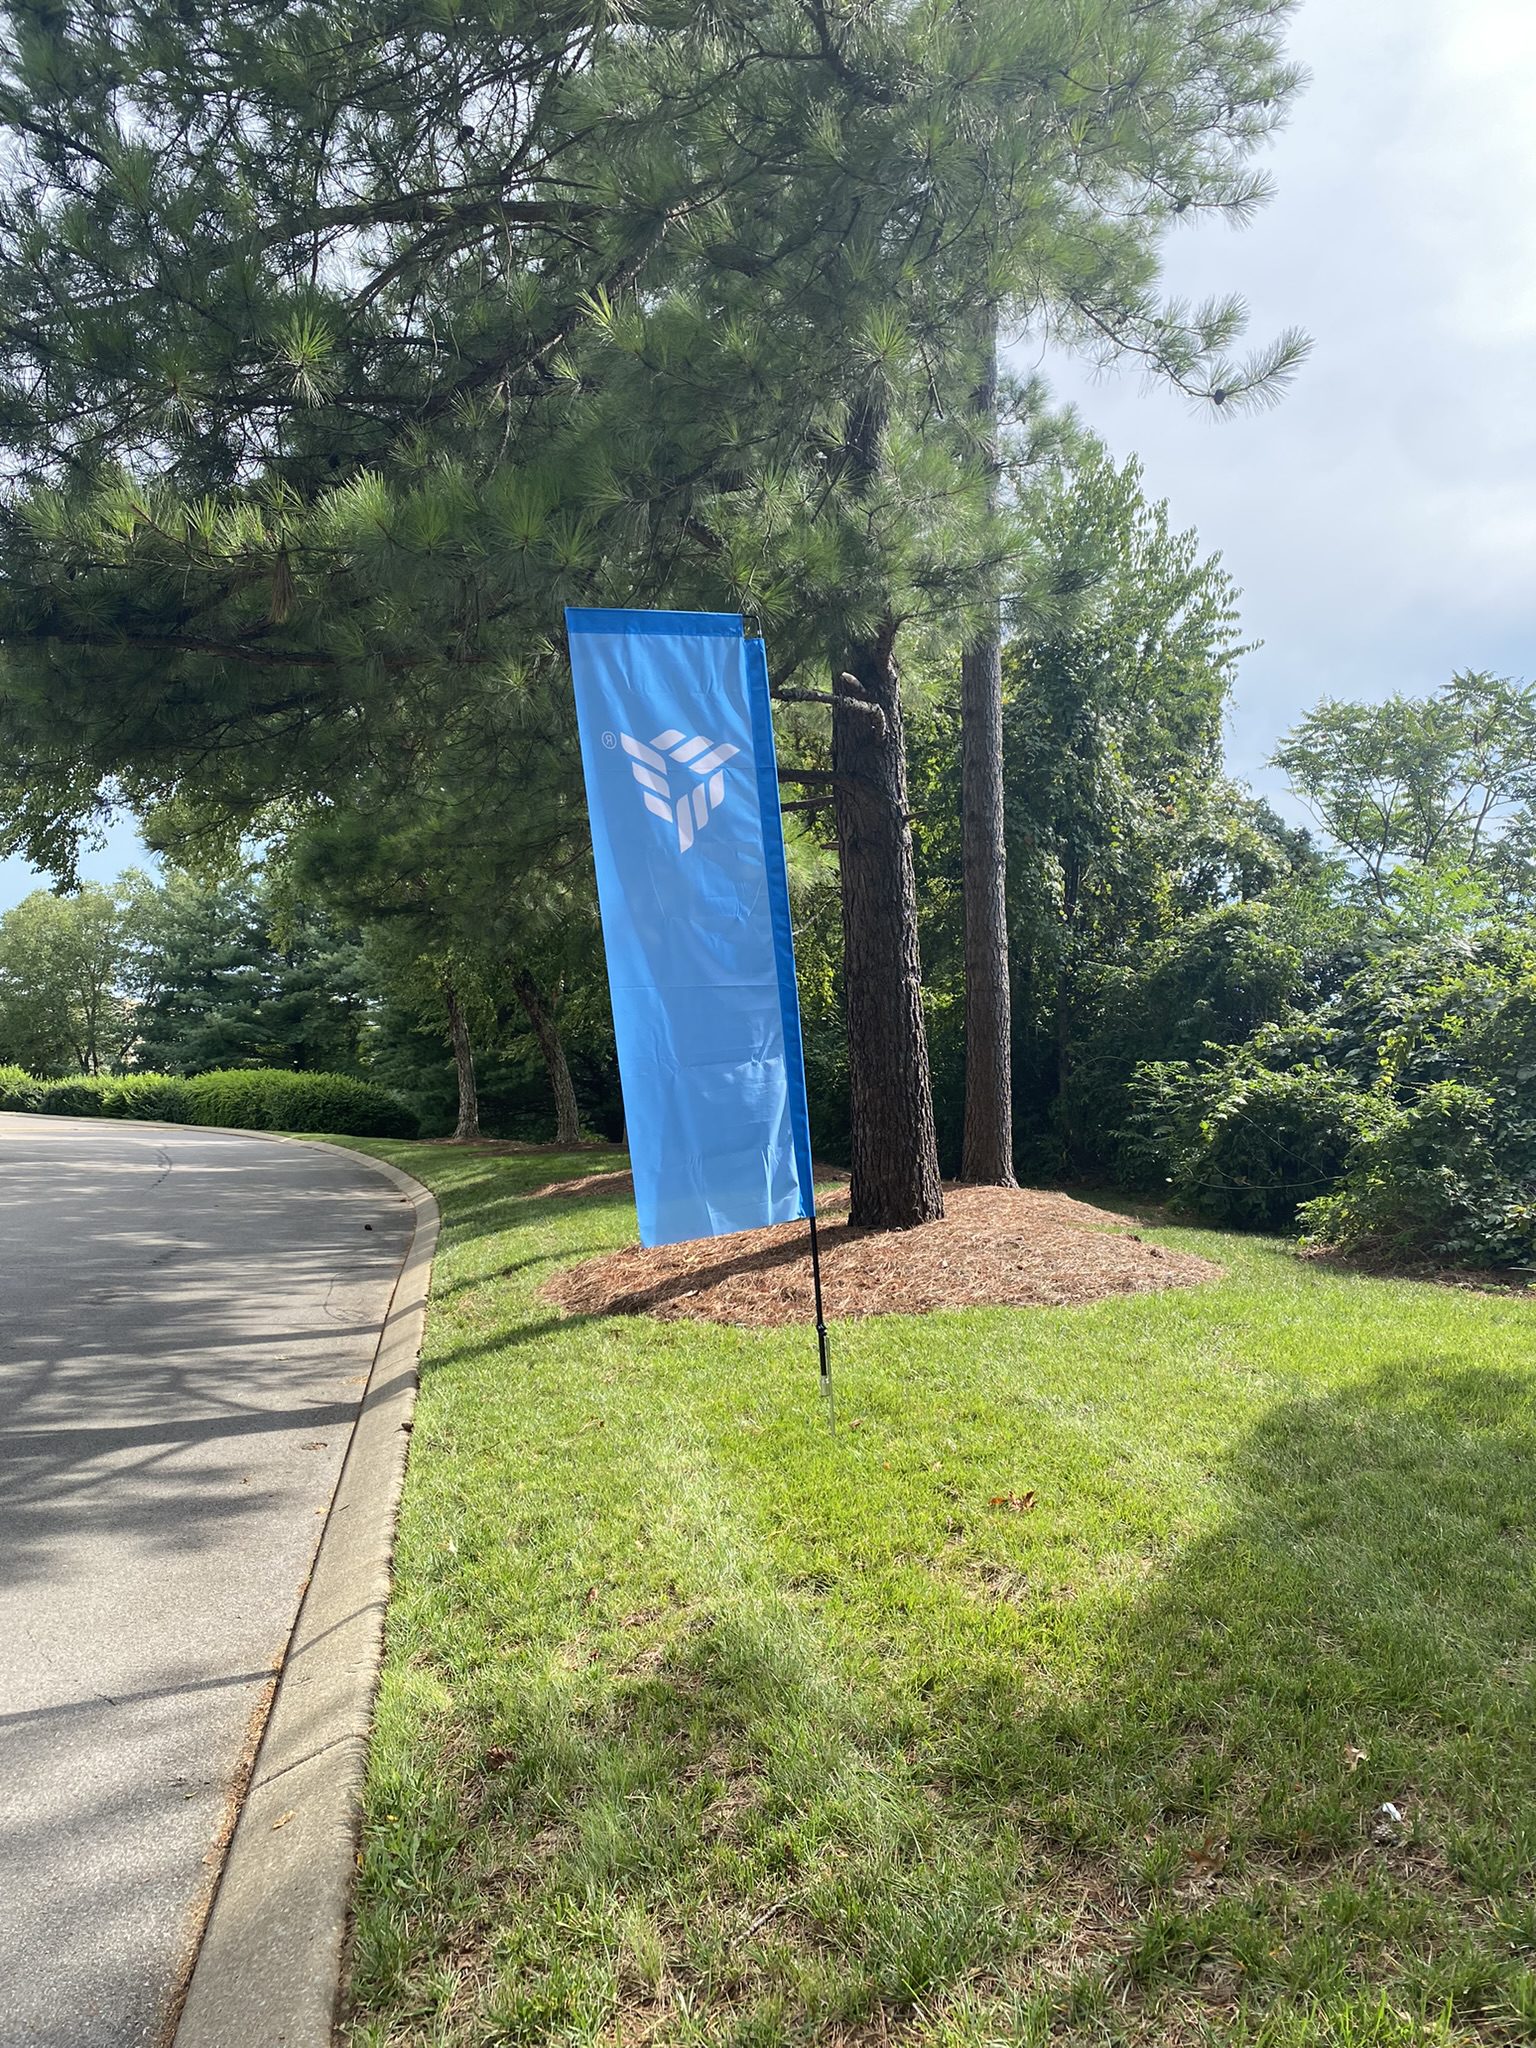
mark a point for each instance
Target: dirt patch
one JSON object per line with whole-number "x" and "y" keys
{"x": 1003, "y": 1247}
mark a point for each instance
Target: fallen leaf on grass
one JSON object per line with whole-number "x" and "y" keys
{"x": 1016, "y": 1503}
{"x": 1354, "y": 1758}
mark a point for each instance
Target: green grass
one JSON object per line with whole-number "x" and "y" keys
{"x": 698, "y": 1726}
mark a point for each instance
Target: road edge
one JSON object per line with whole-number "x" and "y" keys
{"x": 267, "y": 1973}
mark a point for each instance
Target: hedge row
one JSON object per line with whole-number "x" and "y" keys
{"x": 257, "y": 1099}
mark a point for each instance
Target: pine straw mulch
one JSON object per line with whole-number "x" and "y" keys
{"x": 994, "y": 1247}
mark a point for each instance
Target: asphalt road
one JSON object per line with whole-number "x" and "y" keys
{"x": 187, "y": 1320}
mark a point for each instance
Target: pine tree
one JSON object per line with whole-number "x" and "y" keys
{"x": 350, "y": 346}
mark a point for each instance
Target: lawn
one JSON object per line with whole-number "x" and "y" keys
{"x": 700, "y": 1725}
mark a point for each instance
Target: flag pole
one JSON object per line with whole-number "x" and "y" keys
{"x": 821, "y": 1321}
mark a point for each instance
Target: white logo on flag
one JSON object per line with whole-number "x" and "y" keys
{"x": 690, "y": 812}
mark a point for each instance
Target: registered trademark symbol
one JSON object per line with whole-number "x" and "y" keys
{"x": 610, "y": 740}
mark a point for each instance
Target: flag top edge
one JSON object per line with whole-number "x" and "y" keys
{"x": 698, "y": 625}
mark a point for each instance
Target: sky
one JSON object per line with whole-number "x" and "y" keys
{"x": 1381, "y": 521}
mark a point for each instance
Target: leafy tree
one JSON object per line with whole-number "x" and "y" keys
{"x": 1112, "y": 765}
{"x": 71, "y": 970}
{"x": 476, "y": 914}
{"x": 1446, "y": 781}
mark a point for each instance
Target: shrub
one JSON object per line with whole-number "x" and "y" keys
{"x": 125, "y": 1095}
{"x": 267, "y": 1099}
{"x": 79, "y": 1097}
{"x": 1243, "y": 1144}
{"x": 1451, "y": 1177}
{"x": 254, "y": 1099}
{"x": 18, "y": 1089}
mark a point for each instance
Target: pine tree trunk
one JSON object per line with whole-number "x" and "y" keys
{"x": 987, "y": 1144}
{"x": 467, "y": 1130}
{"x": 895, "y": 1159}
{"x": 545, "y": 1030}
{"x": 1066, "y": 1006}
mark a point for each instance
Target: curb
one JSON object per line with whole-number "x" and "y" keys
{"x": 268, "y": 1969}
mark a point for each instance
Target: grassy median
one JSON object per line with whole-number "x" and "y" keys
{"x": 1160, "y": 1671}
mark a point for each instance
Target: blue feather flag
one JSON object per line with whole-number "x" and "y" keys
{"x": 683, "y": 793}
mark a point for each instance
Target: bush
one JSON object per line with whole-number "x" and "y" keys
{"x": 254, "y": 1099}
{"x": 19, "y": 1090}
{"x": 79, "y": 1097}
{"x": 146, "y": 1095}
{"x": 1242, "y": 1144}
{"x": 266, "y": 1099}
{"x": 159, "y": 1096}
{"x": 1451, "y": 1177}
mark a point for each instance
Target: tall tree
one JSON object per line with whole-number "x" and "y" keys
{"x": 238, "y": 979}
{"x": 987, "y": 1144}
{"x": 72, "y": 969}
{"x": 435, "y": 325}
{"x": 1444, "y": 781}
{"x": 1112, "y": 751}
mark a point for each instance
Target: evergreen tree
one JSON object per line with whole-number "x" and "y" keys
{"x": 350, "y": 344}
{"x": 239, "y": 980}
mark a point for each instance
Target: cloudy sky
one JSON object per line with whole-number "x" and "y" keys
{"x": 1382, "y": 520}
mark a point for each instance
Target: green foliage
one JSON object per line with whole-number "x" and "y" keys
{"x": 342, "y": 348}
{"x": 1396, "y": 1120}
{"x": 20, "y": 1090}
{"x": 1242, "y": 1144}
{"x": 308, "y": 364}
{"x": 71, "y": 971}
{"x": 1450, "y": 1177}
{"x": 157, "y": 1097}
{"x": 1214, "y": 980}
{"x": 252, "y": 1099}
{"x": 1448, "y": 1029}
{"x": 235, "y": 975}
{"x": 1131, "y": 859}
{"x": 248, "y": 1099}
{"x": 1423, "y": 783}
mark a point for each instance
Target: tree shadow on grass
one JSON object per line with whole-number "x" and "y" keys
{"x": 1174, "y": 1832}
{"x": 1322, "y": 1716}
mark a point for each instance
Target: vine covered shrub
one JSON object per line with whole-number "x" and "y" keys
{"x": 1243, "y": 1144}
{"x": 267, "y": 1099}
{"x": 1451, "y": 1177}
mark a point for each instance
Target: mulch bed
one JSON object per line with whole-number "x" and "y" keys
{"x": 1004, "y": 1247}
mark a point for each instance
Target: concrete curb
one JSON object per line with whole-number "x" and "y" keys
{"x": 267, "y": 1973}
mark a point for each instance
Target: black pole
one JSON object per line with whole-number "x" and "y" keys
{"x": 821, "y": 1322}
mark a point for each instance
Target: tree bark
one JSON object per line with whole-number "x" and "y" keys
{"x": 895, "y": 1157}
{"x": 987, "y": 1144}
{"x": 545, "y": 1030}
{"x": 467, "y": 1130}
